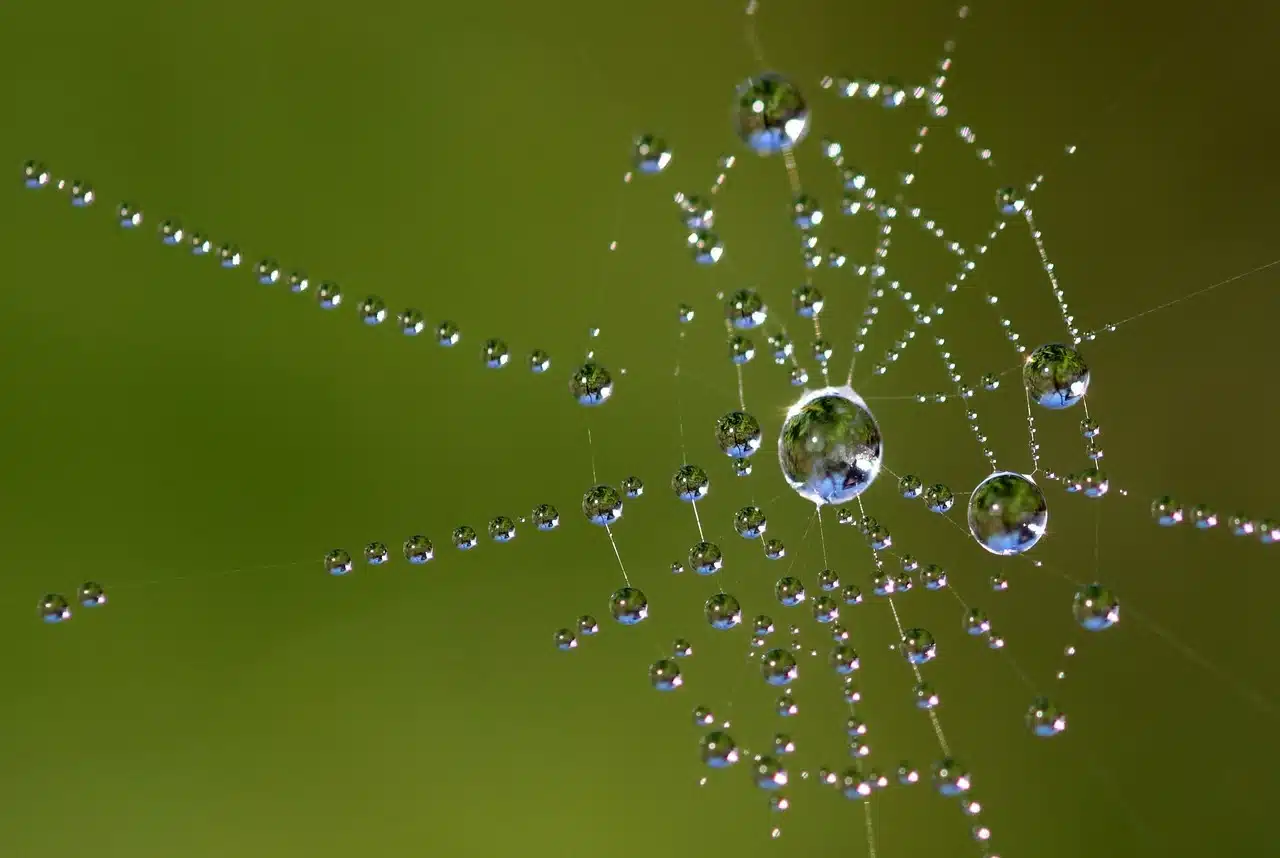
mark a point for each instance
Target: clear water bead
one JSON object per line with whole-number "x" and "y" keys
{"x": 651, "y": 154}
{"x": 82, "y": 194}
{"x": 807, "y": 301}
{"x": 633, "y": 487}
{"x": 718, "y": 750}
{"x": 539, "y": 361}
{"x": 375, "y": 553}
{"x": 495, "y": 354}
{"x": 1166, "y": 511}
{"x": 1055, "y": 376}
{"x": 91, "y": 594}
{"x": 628, "y": 606}
{"x": 779, "y": 667}
{"x": 745, "y": 309}
{"x": 1008, "y": 513}
{"x": 830, "y": 448}
{"x": 418, "y": 550}
{"x": 1096, "y": 608}
{"x": 789, "y": 591}
{"x": 54, "y": 608}
{"x": 328, "y": 296}
{"x": 464, "y": 538}
{"x": 128, "y": 216}
{"x": 723, "y": 612}
{"x": 750, "y": 522}
{"x": 664, "y": 675}
{"x": 411, "y": 322}
{"x": 338, "y": 562}
{"x": 545, "y": 517}
{"x": 372, "y": 310}
{"x": 447, "y": 334}
{"x": 35, "y": 175}
{"x": 591, "y": 384}
{"x": 565, "y": 640}
{"x": 738, "y": 434}
{"x": 706, "y": 558}
{"x": 918, "y": 646}
{"x": 690, "y": 483}
{"x": 229, "y": 256}
{"x": 771, "y": 114}
{"x": 502, "y": 529}
{"x": 602, "y": 505}
{"x": 938, "y": 498}
{"x": 1044, "y": 719}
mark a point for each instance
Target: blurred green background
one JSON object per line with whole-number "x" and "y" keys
{"x": 196, "y": 441}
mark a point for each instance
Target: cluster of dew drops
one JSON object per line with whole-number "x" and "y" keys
{"x": 1054, "y": 376}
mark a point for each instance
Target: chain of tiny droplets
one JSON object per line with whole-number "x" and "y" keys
{"x": 981, "y": 833}
{"x": 267, "y": 271}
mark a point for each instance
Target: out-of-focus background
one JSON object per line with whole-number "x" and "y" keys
{"x": 196, "y": 442}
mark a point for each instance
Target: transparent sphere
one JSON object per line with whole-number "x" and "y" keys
{"x": 496, "y": 354}
{"x": 91, "y": 594}
{"x": 448, "y": 334}
{"x": 738, "y": 434}
{"x": 1056, "y": 376}
{"x": 591, "y": 384}
{"x": 718, "y": 750}
{"x": 565, "y": 640}
{"x": 789, "y": 591}
{"x": 771, "y": 114}
{"x": 502, "y": 529}
{"x": 1166, "y": 511}
{"x": 128, "y": 215}
{"x": 825, "y": 609}
{"x": 464, "y": 538}
{"x": 418, "y": 550}
{"x": 602, "y": 505}
{"x": 35, "y": 174}
{"x": 690, "y": 483}
{"x": 830, "y": 449}
{"x": 338, "y": 562}
{"x": 774, "y": 549}
{"x": 633, "y": 487}
{"x": 807, "y": 300}
{"x": 375, "y": 553}
{"x": 411, "y": 322}
{"x": 918, "y": 646}
{"x": 628, "y": 606}
{"x": 703, "y": 717}
{"x": 950, "y": 778}
{"x": 1096, "y": 608}
{"x": 706, "y": 558}
{"x": 681, "y": 648}
{"x": 587, "y": 625}
{"x": 539, "y": 361}
{"x": 844, "y": 659}
{"x": 651, "y": 154}
{"x": 664, "y": 675}
{"x": 768, "y": 773}
{"x": 54, "y": 608}
{"x": 723, "y": 611}
{"x": 910, "y": 486}
{"x": 1007, "y": 513}
{"x": 778, "y": 667}
{"x": 745, "y": 309}
{"x": 750, "y": 522}
{"x": 328, "y": 296}
{"x": 938, "y": 498}
{"x": 1045, "y": 719}
{"x": 373, "y": 310}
